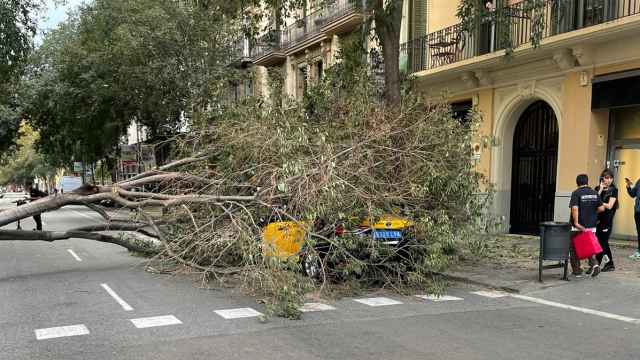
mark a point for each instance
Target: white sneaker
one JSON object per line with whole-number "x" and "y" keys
{"x": 605, "y": 260}
{"x": 635, "y": 255}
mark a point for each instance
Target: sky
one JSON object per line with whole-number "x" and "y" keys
{"x": 54, "y": 15}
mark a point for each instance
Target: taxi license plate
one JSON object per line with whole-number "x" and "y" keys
{"x": 387, "y": 234}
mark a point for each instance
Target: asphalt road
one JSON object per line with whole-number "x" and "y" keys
{"x": 79, "y": 304}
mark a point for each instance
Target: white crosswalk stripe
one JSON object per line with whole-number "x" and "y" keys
{"x": 61, "y": 331}
{"x": 437, "y": 298}
{"x": 378, "y": 301}
{"x": 238, "y": 313}
{"x": 491, "y": 294}
{"x": 166, "y": 320}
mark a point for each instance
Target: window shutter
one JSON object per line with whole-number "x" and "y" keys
{"x": 419, "y": 19}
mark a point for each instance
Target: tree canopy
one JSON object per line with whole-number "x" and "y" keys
{"x": 17, "y": 28}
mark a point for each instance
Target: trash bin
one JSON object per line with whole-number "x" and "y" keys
{"x": 555, "y": 243}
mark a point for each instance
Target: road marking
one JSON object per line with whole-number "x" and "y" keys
{"x": 491, "y": 294}
{"x": 238, "y": 313}
{"x": 579, "y": 309}
{"x": 310, "y": 307}
{"x": 62, "y": 331}
{"x": 378, "y": 301}
{"x": 117, "y": 298}
{"x": 154, "y": 321}
{"x": 437, "y": 298}
{"x": 73, "y": 253}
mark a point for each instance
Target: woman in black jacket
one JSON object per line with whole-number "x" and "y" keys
{"x": 608, "y": 194}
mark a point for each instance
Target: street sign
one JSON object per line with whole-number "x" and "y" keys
{"x": 70, "y": 183}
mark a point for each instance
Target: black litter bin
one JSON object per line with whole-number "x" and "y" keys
{"x": 555, "y": 242}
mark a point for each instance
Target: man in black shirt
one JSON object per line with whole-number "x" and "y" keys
{"x": 35, "y": 194}
{"x": 585, "y": 205}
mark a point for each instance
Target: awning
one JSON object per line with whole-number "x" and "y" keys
{"x": 616, "y": 90}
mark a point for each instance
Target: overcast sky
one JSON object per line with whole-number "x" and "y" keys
{"x": 54, "y": 15}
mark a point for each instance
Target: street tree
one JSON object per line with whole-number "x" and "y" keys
{"x": 17, "y": 28}
{"x": 241, "y": 167}
{"x": 25, "y": 163}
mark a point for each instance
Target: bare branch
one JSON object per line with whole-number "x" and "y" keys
{"x": 12, "y": 235}
{"x": 164, "y": 168}
{"x": 175, "y": 256}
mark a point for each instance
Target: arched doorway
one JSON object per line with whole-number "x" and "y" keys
{"x": 533, "y": 177}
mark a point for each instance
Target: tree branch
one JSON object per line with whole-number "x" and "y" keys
{"x": 12, "y": 235}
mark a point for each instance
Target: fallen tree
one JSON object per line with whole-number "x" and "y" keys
{"x": 338, "y": 161}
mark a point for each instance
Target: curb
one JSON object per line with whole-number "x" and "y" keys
{"x": 624, "y": 244}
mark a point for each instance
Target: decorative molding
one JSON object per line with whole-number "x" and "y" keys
{"x": 584, "y": 78}
{"x": 484, "y": 77}
{"x": 564, "y": 59}
{"x": 470, "y": 79}
{"x": 584, "y": 54}
{"x": 527, "y": 90}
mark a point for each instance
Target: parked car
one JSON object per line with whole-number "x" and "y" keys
{"x": 286, "y": 240}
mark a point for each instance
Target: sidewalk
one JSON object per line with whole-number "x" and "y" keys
{"x": 510, "y": 263}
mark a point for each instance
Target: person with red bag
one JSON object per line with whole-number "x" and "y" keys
{"x": 585, "y": 204}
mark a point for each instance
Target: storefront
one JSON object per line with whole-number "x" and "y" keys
{"x": 619, "y": 93}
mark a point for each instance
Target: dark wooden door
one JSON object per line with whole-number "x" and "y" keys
{"x": 535, "y": 157}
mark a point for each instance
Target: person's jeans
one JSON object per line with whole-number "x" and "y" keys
{"x": 636, "y": 217}
{"x": 38, "y": 220}
{"x": 603, "y": 233}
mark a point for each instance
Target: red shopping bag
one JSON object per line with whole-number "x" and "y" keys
{"x": 586, "y": 245}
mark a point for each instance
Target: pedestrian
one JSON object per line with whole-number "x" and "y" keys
{"x": 608, "y": 193}
{"x": 35, "y": 194}
{"x": 585, "y": 205}
{"x": 634, "y": 192}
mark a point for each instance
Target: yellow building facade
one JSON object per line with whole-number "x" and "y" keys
{"x": 569, "y": 106}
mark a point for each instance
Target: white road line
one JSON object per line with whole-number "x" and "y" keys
{"x": 117, "y": 298}
{"x": 62, "y": 331}
{"x": 75, "y": 256}
{"x": 439, "y": 298}
{"x": 378, "y": 301}
{"x": 154, "y": 321}
{"x": 491, "y": 294}
{"x": 238, "y": 313}
{"x": 310, "y": 307}
{"x": 579, "y": 309}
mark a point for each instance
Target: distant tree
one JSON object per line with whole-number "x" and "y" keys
{"x": 26, "y": 162}
{"x": 17, "y": 28}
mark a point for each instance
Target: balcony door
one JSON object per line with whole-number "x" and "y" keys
{"x": 487, "y": 31}
{"x": 594, "y": 12}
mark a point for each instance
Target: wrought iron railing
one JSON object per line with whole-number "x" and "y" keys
{"x": 304, "y": 28}
{"x": 267, "y": 43}
{"x": 453, "y": 44}
{"x": 241, "y": 49}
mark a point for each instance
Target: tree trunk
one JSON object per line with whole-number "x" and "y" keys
{"x": 387, "y": 28}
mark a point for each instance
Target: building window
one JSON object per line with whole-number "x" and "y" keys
{"x": 461, "y": 111}
{"x": 319, "y": 70}
{"x": 593, "y": 12}
{"x": 248, "y": 88}
{"x": 301, "y": 81}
